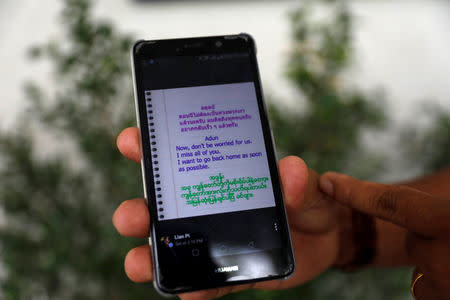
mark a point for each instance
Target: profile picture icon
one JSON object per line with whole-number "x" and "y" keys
{"x": 166, "y": 241}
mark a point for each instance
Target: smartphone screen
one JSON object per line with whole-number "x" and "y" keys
{"x": 210, "y": 173}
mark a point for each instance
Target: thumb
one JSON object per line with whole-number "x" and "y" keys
{"x": 407, "y": 207}
{"x": 309, "y": 210}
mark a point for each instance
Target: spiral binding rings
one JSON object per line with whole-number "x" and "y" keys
{"x": 154, "y": 150}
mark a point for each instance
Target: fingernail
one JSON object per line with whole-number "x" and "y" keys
{"x": 326, "y": 186}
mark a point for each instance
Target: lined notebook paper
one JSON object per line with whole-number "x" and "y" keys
{"x": 207, "y": 150}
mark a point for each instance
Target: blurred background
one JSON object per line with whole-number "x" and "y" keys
{"x": 360, "y": 87}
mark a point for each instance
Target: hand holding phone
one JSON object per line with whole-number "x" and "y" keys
{"x": 210, "y": 175}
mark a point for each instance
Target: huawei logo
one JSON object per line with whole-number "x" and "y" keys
{"x": 227, "y": 269}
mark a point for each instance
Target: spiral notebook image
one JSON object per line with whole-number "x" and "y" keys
{"x": 207, "y": 150}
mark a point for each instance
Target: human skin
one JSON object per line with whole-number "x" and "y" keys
{"x": 422, "y": 220}
{"x": 319, "y": 224}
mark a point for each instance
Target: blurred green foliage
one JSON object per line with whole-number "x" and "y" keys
{"x": 57, "y": 240}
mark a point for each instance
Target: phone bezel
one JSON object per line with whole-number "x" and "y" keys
{"x": 198, "y": 46}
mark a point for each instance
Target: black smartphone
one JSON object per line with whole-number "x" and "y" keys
{"x": 209, "y": 167}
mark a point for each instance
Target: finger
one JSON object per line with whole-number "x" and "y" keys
{"x": 132, "y": 219}
{"x": 138, "y": 264}
{"x": 214, "y": 293}
{"x": 201, "y": 295}
{"x": 401, "y": 205}
{"x": 129, "y": 144}
{"x": 307, "y": 207}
